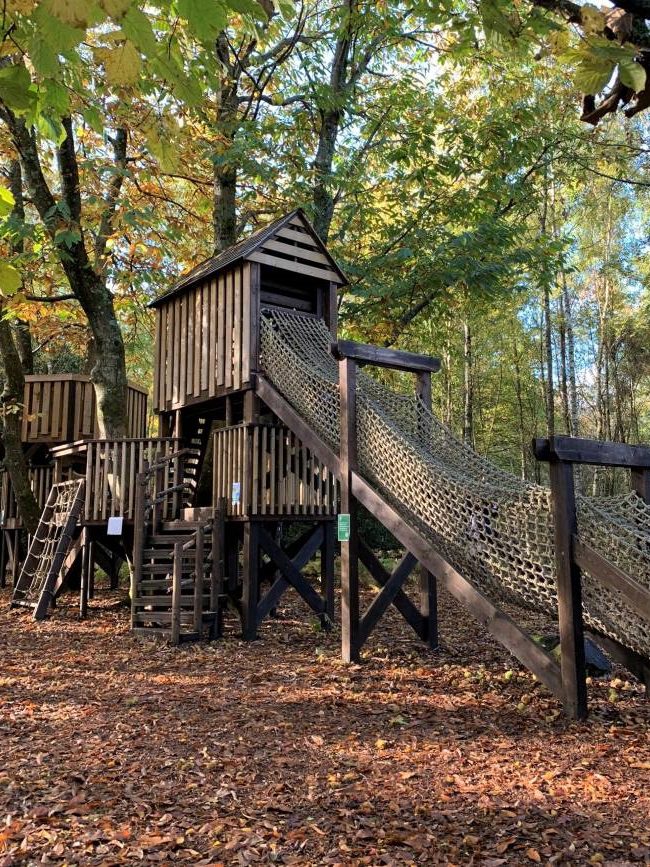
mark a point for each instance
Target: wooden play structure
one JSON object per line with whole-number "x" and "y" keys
{"x": 272, "y": 435}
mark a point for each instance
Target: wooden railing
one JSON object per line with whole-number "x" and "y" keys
{"x": 41, "y": 481}
{"x": 573, "y": 556}
{"x": 262, "y": 469}
{"x": 111, "y": 467}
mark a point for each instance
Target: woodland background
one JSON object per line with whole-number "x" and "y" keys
{"x": 437, "y": 147}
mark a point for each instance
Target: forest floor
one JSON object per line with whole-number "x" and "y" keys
{"x": 115, "y": 750}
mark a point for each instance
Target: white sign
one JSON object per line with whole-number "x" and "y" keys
{"x": 114, "y": 527}
{"x": 236, "y": 493}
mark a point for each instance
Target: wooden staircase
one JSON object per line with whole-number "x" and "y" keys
{"x": 177, "y": 582}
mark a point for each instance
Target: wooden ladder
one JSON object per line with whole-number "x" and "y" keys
{"x": 51, "y": 548}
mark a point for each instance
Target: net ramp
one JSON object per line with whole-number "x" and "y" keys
{"x": 484, "y": 524}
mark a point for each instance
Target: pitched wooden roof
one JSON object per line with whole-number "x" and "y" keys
{"x": 255, "y": 248}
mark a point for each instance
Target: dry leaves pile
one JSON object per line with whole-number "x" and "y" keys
{"x": 117, "y": 751}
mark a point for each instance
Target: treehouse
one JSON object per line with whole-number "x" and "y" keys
{"x": 60, "y": 420}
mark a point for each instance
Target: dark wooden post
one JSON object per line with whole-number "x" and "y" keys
{"x": 199, "y": 575}
{"x": 177, "y": 578}
{"x": 250, "y": 578}
{"x": 327, "y": 554}
{"x": 349, "y": 550}
{"x": 84, "y": 591}
{"x": 640, "y": 480}
{"x": 3, "y": 558}
{"x": 91, "y": 568}
{"x": 139, "y": 531}
{"x": 428, "y": 583}
{"x": 569, "y": 590}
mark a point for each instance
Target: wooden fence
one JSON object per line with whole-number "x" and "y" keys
{"x": 41, "y": 482}
{"x": 62, "y": 408}
{"x": 265, "y": 470}
{"x": 110, "y": 468}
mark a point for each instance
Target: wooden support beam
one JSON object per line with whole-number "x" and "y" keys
{"x": 300, "y": 553}
{"x": 327, "y": 575}
{"x": 640, "y": 480}
{"x": 85, "y": 574}
{"x": 379, "y": 356}
{"x": 349, "y": 549}
{"x": 569, "y": 591}
{"x": 611, "y": 576}
{"x": 386, "y": 595}
{"x": 177, "y": 578}
{"x": 578, "y": 450}
{"x": 290, "y": 570}
{"x": 401, "y": 601}
{"x": 250, "y": 577}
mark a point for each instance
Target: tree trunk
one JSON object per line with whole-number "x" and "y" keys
{"x": 468, "y": 390}
{"x": 548, "y": 349}
{"x": 571, "y": 360}
{"x": 12, "y": 417}
{"x": 224, "y": 203}
{"x": 91, "y": 290}
{"x": 22, "y": 330}
{"x": 564, "y": 376}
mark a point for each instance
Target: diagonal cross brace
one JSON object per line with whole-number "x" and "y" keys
{"x": 399, "y": 599}
{"x": 291, "y": 574}
{"x": 386, "y": 595}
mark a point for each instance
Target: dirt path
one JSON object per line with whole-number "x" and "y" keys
{"x": 117, "y": 751}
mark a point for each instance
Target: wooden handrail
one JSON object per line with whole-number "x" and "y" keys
{"x": 611, "y": 576}
{"x": 578, "y": 450}
{"x": 162, "y": 463}
{"x": 379, "y": 356}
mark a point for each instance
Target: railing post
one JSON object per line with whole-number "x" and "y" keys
{"x": 349, "y": 549}
{"x": 199, "y": 573}
{"x": 428, "y": 584}
{"x": 177, "y": 577}
{"x": 640, "y": 479}
{"x": 216, "y": 572}
{"x": 569, "y": 590}
{"x": 139, "y": 529}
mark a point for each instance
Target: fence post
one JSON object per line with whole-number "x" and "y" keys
{"x": 640, "y": 480}
{"x": 569, "y": 590}
{"x": 428, "y": 583}
{"x": 199, "y": 573}
{"x": 139, "y": 530}
{"x": 177, "y": 577}
{"x": 349, "y": 549}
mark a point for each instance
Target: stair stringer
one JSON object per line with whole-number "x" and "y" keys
{"x": 496, "y": 621}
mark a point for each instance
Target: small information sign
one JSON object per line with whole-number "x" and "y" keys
{"x": 235, "y": 496}
{"x": 114, "y": 526}
{"x": 343, "y": 528}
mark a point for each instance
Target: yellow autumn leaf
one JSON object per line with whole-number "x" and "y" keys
{"x": 122, "y": 64}
{"x": 534, "y": 855}
{"x": 115, "y": 8}
{"x": 72, "y": 12}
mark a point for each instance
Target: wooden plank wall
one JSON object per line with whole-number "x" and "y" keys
{"x": 203, "y": 339}
{"x": 61, "y": 408}
{"x": 286, "y": 478}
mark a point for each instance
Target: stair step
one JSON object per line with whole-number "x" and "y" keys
{"x": 162, "y": 584}
{"x": 189, "y": 526}
{"x": 186, "y": 617}
{"x": 153, "y": 632}
{"x": 166, "y": 599}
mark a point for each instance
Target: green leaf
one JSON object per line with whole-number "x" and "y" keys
{"x": 7, "y": 202}
{"x": 205, "y": 18}
{"x": 593, "y": 73}
{"x": 632, "y": 74}
{"x": 10, "y": 279}
{"x": 93, "y": 118}
{"x": 248, "y": 7}
{"x": 15, "y": 83}
{"x": 137, "y": 27}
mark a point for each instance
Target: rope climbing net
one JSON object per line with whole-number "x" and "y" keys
{"x": 49, "y": 545}
{"x": 494, "y": 528}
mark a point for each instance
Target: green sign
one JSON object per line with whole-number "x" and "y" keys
{"x": 343, "y": 527}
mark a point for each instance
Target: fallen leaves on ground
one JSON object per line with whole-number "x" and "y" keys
{"x": 122, "y": 751}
